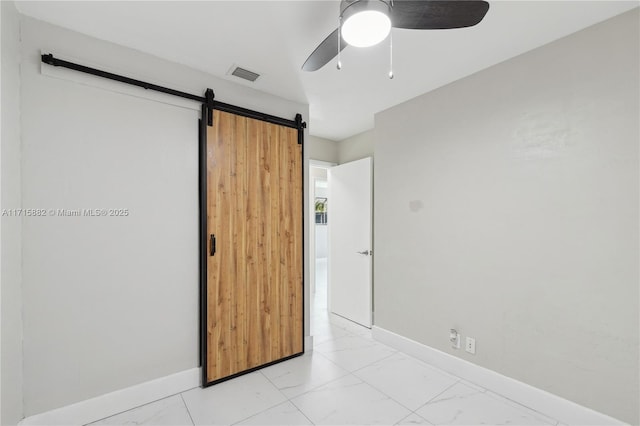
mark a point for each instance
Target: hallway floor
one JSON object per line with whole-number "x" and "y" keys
{"x": 347, "y": 379}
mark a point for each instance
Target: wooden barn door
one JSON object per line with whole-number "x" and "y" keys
{"x": 254, "y": 295}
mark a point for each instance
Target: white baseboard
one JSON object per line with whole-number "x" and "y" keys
{"x": 118, "y": 401}
{"x": 567, "y": 412}
{"x": 106, "y": 405}
{"x": 308, "y": 343}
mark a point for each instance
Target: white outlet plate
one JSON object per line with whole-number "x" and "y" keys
{"x": 470, "y": 345}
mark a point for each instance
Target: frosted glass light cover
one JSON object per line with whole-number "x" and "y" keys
{"x": 366, "y": 28}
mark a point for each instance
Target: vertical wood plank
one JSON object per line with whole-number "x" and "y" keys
{"x": 274, "y": 250}
{"x": 285, "y": 246}
{"x": 252, "y": 218}
{"x": 238, "y": 345}
{"x": 218, "y": 184}
{"x": 262, "y": 241}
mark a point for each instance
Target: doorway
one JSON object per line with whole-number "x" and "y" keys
{"x": 341, "y": 242}
{"x": 318, "y": 239}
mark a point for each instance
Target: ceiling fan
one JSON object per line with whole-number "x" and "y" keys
{"x": 364, "y": 23}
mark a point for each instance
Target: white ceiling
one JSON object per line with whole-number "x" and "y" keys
{"x": 274, "y": 38}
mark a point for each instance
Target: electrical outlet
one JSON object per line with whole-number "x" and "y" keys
{"x": 454, "y": 338}
{"x": 470, "y": 345}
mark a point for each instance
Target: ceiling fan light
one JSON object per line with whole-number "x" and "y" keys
{"x": 366, "y": 28}
{"x": 365, "y": 22}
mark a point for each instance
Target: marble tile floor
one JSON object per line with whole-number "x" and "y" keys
{"x": 347, "y": 379}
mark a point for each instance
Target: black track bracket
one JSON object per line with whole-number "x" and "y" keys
{"x": 300, "y": 125}
{"x": 210, "y": 96}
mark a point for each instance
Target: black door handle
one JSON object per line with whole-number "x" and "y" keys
{"x": 212, "y": 244}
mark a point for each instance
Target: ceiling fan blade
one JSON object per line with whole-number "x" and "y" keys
{"x": 437, "y": 14}
{"x": 325, "y": 52}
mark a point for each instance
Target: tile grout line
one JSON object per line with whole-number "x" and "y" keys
{"x": 413, "y": 413}
{"x": 396, "y": 401}
{"x": 361, "y": 382}
{"x": 430, "y": 400}
{"x": 290, "y": 399}
{"x": 520, "y": 405}
{"x": 336, "y": 365}
{"x": 438, "y": 370}
{"x": 274, "y": 385}
{"x": 138, "y": 406}
{"x": 301, "y": 412}
{"x": 324, "y": 384}
{"x": 374, "y": 362}
{"x": 258, "y": 413}
{"x": 394, "y": 352}
{"x": 187, "y": 407}
{"x": 269, "y": 408}
{"x": 390, "y": 397}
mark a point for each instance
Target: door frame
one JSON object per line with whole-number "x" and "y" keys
{"x": 297, "y": 124}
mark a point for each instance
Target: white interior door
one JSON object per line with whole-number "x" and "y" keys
{"x": 350, "y": 243}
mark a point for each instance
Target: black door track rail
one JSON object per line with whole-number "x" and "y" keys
{"x": 207, "y": 100}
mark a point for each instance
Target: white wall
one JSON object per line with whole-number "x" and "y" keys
{"x": 507, "y": 207}
{"x": 318, "y": 172}
{"x": 322, "y": 149}
{"x": 10, "y": 235}
{"x": 356, "y": 147}
{"x": 111, "y": 302}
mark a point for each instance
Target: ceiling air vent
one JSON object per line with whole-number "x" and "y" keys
{"x": 245, "y": 74}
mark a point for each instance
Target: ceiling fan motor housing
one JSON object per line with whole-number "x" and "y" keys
{"x": 351, "y": 7}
